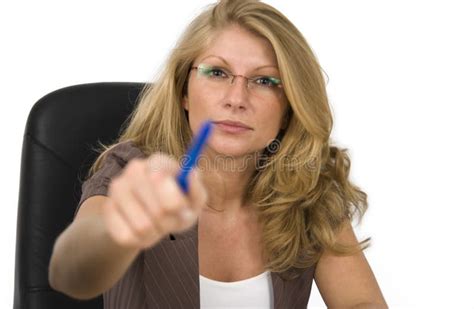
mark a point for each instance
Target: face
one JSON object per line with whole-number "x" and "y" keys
{"x": 239, "y": 52}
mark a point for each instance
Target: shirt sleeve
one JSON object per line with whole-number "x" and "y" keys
{"x": 113, "y": 164}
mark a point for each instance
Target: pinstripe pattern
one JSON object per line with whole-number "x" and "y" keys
{"x": 167, "y": 275}
{"x": 128, "y": 292}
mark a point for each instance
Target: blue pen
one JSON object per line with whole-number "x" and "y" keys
{"x": 192, "y": 155}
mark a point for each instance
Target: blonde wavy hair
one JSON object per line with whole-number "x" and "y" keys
{"x": 302, "y": 203}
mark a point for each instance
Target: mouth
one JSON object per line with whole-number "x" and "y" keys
{"x": 232, "y": 126}
{"x": 233, "y": 123}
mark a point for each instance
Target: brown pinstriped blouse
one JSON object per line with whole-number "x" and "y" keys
{"x": 167, "y": 275}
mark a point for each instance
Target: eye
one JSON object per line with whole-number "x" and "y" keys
{"x": 267, "y": 81}
{"x": 213, "y": 72}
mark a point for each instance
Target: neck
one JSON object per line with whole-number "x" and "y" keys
{"x": 226, "y": 179}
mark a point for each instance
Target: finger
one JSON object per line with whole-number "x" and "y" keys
{"x": 145, "y": 192}
{"x": 172, "y": 222}
{"x": 121, "y": 232}
{"x": 117, "y": 226}
{"x": 163, "y": 164}
{"x": 165, "y": 220}
{"x": 131, "y": 210}
{"x": 147, "y": 196}
{"x": 172, "y": 198}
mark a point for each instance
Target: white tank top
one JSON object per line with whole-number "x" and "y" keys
{"x": 252, "y": 293}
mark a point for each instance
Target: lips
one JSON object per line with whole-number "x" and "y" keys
{"x": 234, "y": 124}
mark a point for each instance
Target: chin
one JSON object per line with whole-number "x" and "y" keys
{"x": 232, "y": 150}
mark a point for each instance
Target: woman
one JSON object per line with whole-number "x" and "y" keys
{"x": 270, "y": 205}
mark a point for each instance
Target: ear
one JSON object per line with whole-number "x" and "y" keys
{"x": 185, "y": 103}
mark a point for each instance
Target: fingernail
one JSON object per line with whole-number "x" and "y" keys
{"x": 168, "y": 183}
{"x": 187, "y": 214}
{"x": 197, "y": 175}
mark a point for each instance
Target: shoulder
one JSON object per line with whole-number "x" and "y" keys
{"x": 113, "y": 160}
{"x": 125, "y": 151}
{"x": 117, "y": 156}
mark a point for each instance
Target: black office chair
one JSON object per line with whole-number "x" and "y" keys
{"x": 61, "y": 130}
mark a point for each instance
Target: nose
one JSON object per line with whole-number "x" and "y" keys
{"x": 237, "y": 93}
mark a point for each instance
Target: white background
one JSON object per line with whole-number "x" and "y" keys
{"x": 401, "y": 88}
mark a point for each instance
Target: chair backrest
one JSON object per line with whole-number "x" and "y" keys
{"x": 61, "y": 130}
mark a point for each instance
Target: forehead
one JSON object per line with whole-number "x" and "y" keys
{"x": 240, "y": 48}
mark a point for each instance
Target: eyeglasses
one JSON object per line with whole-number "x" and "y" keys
{"x": 219, "y": 79}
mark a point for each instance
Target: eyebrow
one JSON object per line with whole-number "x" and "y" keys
{"x": 260, "y": 67}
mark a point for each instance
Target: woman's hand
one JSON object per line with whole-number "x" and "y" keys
{"x": 146, "y": 203}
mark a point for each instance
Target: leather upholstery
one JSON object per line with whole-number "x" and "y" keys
{"x": 61, "y": 130}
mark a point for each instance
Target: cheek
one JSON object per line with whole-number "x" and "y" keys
{"x": 272, "y": 116}
{"x": 200, "y": 101}
{"x": 269, "y": 126}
